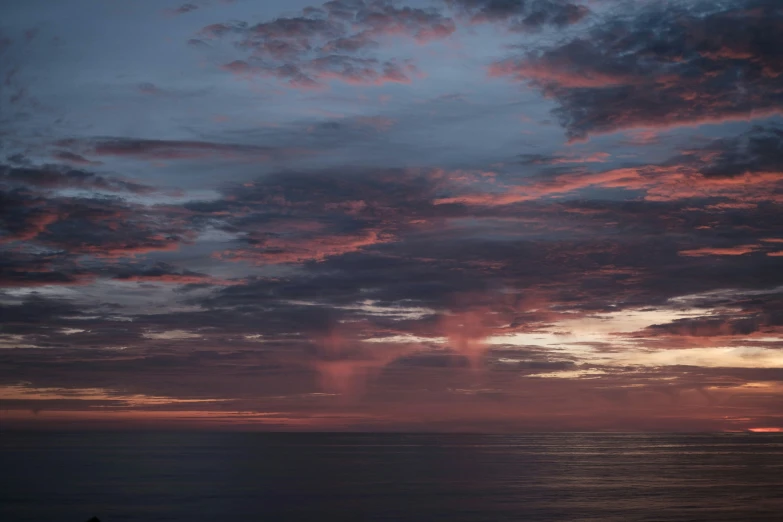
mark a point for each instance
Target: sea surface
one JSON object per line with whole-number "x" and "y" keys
{"x": 192, "y": 477}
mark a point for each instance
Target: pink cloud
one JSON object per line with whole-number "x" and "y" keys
{"x": 308, "y": 247}
{"x": 179, "y": 279}
{"x": 658, "y": 182}
{"x": 565, "y": 75}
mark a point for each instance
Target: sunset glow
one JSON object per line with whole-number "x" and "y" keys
{"x": 392, "y": 215}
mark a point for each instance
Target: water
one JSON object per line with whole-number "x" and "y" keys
{"x": 384, "y": 477}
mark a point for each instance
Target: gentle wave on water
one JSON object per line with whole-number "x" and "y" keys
{"x": 385, "y": 477}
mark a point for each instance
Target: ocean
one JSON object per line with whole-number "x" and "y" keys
{"x": 325, "y": 477}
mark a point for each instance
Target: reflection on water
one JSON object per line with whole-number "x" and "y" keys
{"x": 427, "y": 477}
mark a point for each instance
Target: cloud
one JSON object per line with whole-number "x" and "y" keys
{"x": 172, "y": 334}
{"x": 165, "y": 273}
{"x": 70, "y": 157}
{"x": 393, "y": 236}
{"x": 185, "y": 8}
{"x": 349, "y": 69}
{"x": 32, "y": 266}
{"x": 36, "y": 309}
{"x": 298, "y": 248}
{"x": 733, "y": 172}
{"x": 23, "y": 216}
{"x": 149, "y": 88}
{"x": 510, "y": 282}
{"x": 330, "y": 42}
{"x": 299, "y": 216}
{"x": 58, "y": 177}
{"x": 661, "y": 66}
{"x": 522, "y": 15}
{"x": 100, "y": 226}
{"x": 543, "y": 159}
{"x": 30, "y": 269}
{"x": 161, "y": 150}
{"x": 738, "y": 250}
{"x": 757, "y": 151}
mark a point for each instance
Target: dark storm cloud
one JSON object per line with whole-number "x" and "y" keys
{"x": 665, "y": 65}
{"x": 523, "y": 15}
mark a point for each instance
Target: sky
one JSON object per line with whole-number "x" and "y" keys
{"x": 457, "y": 215}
